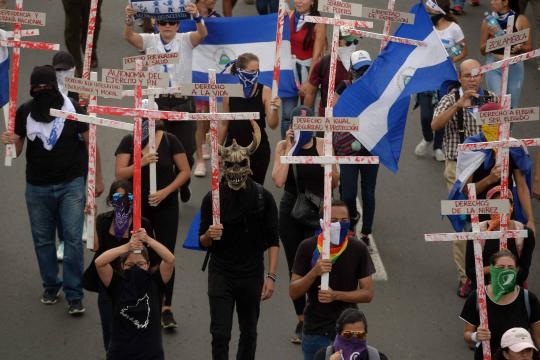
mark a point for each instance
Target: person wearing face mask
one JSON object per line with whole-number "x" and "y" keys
{"x": 350, "y": 267}
{"x": 161, "y": 207}
{"x": 257, "y": 98}
{"x": 454, "y": 114}
{"x": 296, "y": 179}
{"x": 136, "y": 295}
{"x": 113, "y": 228}
{"x": 248, "y": 228}
{"x": 501, "y": 10}
{"x": 55, "y": 188}
{"x": 517, "y": 344}
{"x": 169, "y": 40}
{"x": 350, "y": 342}
{"x": 319, "y": 74}
{"x": 307, "y": 46}
{"x": 521, "y": 248}
{"x": 508, "y": 306}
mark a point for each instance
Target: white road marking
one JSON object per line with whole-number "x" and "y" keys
{"x": 380, "y": 271}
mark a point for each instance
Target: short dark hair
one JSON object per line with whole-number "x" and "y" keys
{"x": 117, "y": 184}
{"x": 502, "y": 253}
{"x": 335, "y": 203}
{"x": 350, "y": 316}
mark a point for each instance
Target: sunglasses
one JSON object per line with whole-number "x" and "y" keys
{"x": 118, "y": 196}
{"x": 171, "y": 23}
{"x": 348, "y": 334}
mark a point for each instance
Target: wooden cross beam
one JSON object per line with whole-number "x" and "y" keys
{"x": 19, "y": 17}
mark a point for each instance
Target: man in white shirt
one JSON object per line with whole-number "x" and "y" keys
{"x": 170, "y": 40}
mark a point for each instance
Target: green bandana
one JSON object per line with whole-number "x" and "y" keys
{"x": 503, "y": 281}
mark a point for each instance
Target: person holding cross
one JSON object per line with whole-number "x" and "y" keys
{"x": 55, "y": 188}
{"x": 454, "y": 114}
{"x": 167, "y": 40}
{"x": 350, "y": 267}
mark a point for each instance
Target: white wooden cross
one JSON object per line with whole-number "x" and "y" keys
{"x": 327, "y": 124}
{"x": 19, "y": 17}
{"x": 473, "y": 207}
{"x": 213, "y": 91}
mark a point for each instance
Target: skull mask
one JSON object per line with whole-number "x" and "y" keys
{"x": 235, "y": 164}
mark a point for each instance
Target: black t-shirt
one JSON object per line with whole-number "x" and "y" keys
{"x": 321, "y": 355}
{"x": 241, "y": 130}
{"x": 501, "y": 317}
{"x": 108, "y": 241}
{"x": 247, "y": 232}
{"x": 136, "y": 327}
{"x": 353, "y": 264}
{"x": 492, "y": 246}
{"x": 310, "y": 177}
{"x": 64, "y": 162}
{"x": 165, "y": 166}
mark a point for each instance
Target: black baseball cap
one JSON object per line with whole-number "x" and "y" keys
{"x": 63, "y": 60}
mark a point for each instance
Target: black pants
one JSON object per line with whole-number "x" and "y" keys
{"x": 425, "y": 100}
{"x": 76, "y": 26}
{"x": 259, "y": 162}
{"x": 292, "y": 233}
{"x": 106, "y": 314}
{"x": 164, "y": 220}
{"x": 223, "y": 294}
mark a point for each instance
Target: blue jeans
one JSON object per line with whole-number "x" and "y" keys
{"x": 287, "y": 105}
{"x": 48, "y": 205}
{"x": 265, "y": 7}
{"x": 313, "y": 343}
{"x": 349, "y": 189}
{"x": 515, "y": 80}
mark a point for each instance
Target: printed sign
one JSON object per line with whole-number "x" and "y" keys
{"x": 98, "y": 88}
{"x": 334, "y": 124}
{"x": 509, "y": 115}
{"x": 132, "y": 78}
{"x": 507, "y": 40}
{"x": 22, "y": 17}
{"x": 161, "y": 10}
{"x": 474, "y": 207}
{"x": 216, "y": 90}
{"x": 388, "y": 15}
{"x": 150, "y": 60}
{"x": 340, "y": 7}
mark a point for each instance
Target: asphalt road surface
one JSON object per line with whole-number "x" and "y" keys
{"x": 414, "y": 314}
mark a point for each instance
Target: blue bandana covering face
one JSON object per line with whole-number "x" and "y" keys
{"x": 248, "y": 79}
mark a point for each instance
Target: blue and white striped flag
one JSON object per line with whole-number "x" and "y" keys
{"x": 229, "y": 37}
{"x": 380, "y": 99}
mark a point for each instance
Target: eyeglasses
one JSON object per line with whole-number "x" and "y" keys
{"x": 348, "y": 334}
{"x": 470, "y": 76}
{"x": 117, "y": 196}
{"x": 141, "y": 264}
{"x": 171, "y": 23}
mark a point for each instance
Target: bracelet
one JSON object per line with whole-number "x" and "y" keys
{"x": 198, "y": 19}
{"x": 474, "y": 337}
{"x": 129, "y": 20}
{"x": 272, "y": 276}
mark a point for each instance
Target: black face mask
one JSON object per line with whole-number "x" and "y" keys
{"x": 42, "y": 102}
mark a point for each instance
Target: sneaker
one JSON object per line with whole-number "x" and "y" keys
{"x": 475, "y": 2}
{"x": 185, "y": 193}
{"x": 365, "y": 239}
{"x": 439, "y": 155}
{"x": 50, "y": 296}
{"x": 422, "y": 148}
{"x": 200, "y": 169}
{"x": 167, "y": 320}
{"x": 464, "y": 289}
{"x": 457, "y": 10}
{"x": 60, "y": 252}
{"x": 297, "y": 338}
{"x": 206, "y": 151}
{"x": 76, "y": 308}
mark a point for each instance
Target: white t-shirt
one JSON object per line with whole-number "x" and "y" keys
{"x": 451, "y": 35}
{"x": 178, "y": 73}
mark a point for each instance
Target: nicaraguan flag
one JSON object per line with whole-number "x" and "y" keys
{"x": 469, "y": 161}
{"x": 4, "y": 71}
{"x": 381, "y": 97}
{"x": 229, "y": 37}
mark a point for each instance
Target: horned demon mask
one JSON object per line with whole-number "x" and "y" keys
{"x": 235, "y": 163}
